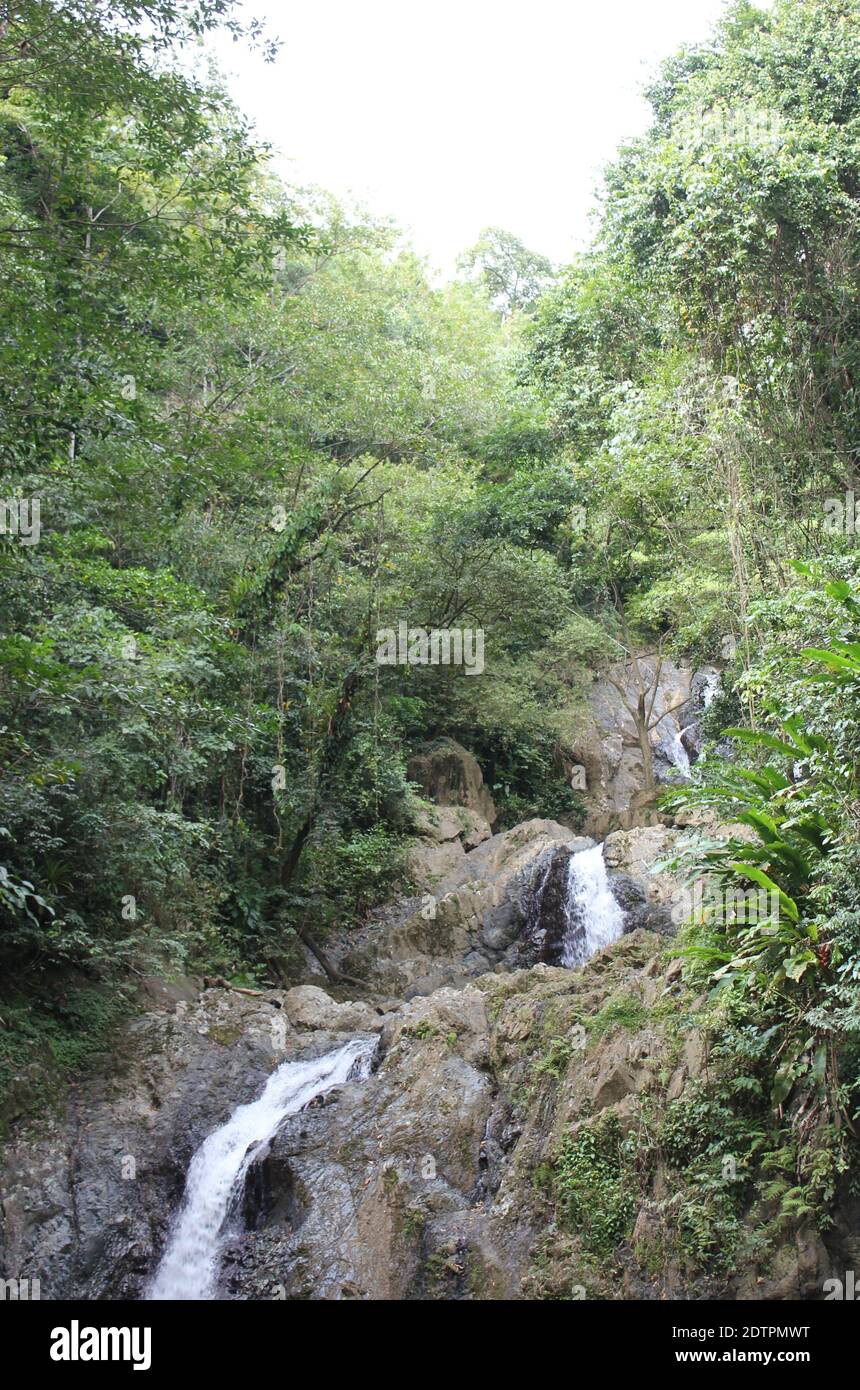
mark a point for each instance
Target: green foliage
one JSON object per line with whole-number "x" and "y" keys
{"x": 592, "y": 1193}
{"x": 253, "y": 443}
{"x": 512, "y": 275}
{"x": 49, "y": 1034}
{"x": 555, "y": 1058}
{"x": 623, "y": 1011}
{"x": 22, "y": 911}
{"x": 789, "y": 964}
{"x": 259, "y": 432}
{"x": 358, "y": 872}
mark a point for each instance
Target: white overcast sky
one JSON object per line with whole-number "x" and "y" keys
{"x": 460, "y": 114}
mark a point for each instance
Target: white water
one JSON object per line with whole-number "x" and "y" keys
{"x": 190, "y": 1263}
{"x": 673, "y": 739}
{"x": 676, "y": 752}
{"x": 710, "y": 687}
{"x": 594, "y": 918}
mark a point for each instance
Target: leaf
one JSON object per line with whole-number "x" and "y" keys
{"x": 782, "y": 1084}
{"x": 769, "y": 779}
{"x": 795, "y": 966}
{"x": 757, "y": 738}
{"x": 799, "y": 736}
{"x": 838, "y": 589}
{"x": 802, "y": 567}
{"x": 758, "y": 820}
{"x": 759, "y": 876}
{"x": 832, "y": 660}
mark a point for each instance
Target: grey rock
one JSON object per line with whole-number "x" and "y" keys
{"x": 448, "y": 774}
{"x": 632, "y": 897}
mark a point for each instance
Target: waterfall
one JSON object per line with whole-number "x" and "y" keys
{"x": 190, "y": 1263}
{"x": 710, "y": 687}
{"x": 676, "y": 752}
{"x": 593, "y": 918}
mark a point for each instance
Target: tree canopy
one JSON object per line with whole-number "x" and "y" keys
{"x": 243, "y": 430}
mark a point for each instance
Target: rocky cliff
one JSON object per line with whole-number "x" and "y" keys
{"x": 603, "y": 758}
{"x": 526, "y": 1132}
{"x": 510, "y": 1143}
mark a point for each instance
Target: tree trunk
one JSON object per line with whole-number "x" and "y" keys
{"x": 328, "y": 757}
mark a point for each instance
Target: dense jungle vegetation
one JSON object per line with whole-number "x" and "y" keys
{"x": 258, "y": 431}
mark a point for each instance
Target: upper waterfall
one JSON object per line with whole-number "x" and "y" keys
{"x": 676, "y": 751}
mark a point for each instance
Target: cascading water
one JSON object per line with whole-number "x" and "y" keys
{"x": 593, "y": 917}
{"x": 710, "y": 687}
{"x": 676, "y": 752}
{"x": 190, "y": 1263}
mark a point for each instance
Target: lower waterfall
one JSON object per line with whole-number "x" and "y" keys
{"x": 190, "y": 1263}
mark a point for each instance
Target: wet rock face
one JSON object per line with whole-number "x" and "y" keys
{"x": 549, "y": 916}
{"x": 350, "y": 1199}
{"x": 431, "y": 1179}
{"x": 553, "y": 919}
{"x": 702, "y": 689}
{"x": 472, "y": 921}
{"x": 385, "y": 1170}
{"x": 427, "y": 1180}
{"x": 88, "y": 1193}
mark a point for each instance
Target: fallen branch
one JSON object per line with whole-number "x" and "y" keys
{"x": 336, "y": 976}
{"x": 218, "y": 981}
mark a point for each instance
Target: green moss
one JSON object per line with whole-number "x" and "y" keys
{"x": 412, "y": 1223}
{"x": 543, "y": 1177}
{"x": 424, "y": 1031}
{"x": 555, "y": 1060}
{"x": 622, "y": 1011}
{"x": 446, "y": 1269}
{"x": 226, "y": 1034}
{"x": 48, "y": 1037}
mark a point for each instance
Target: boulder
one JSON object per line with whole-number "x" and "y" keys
{"x": 428, "y": 861}
{"x": 632, "y": 858}
{"x": 470, "y": 921}
{"x": 437, "y": 823}
{"x": 447, "y": 774}
{"x": 307, "y": 1006}
{"x": 444, "y": 835}
{"x": 639, "y": 911}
